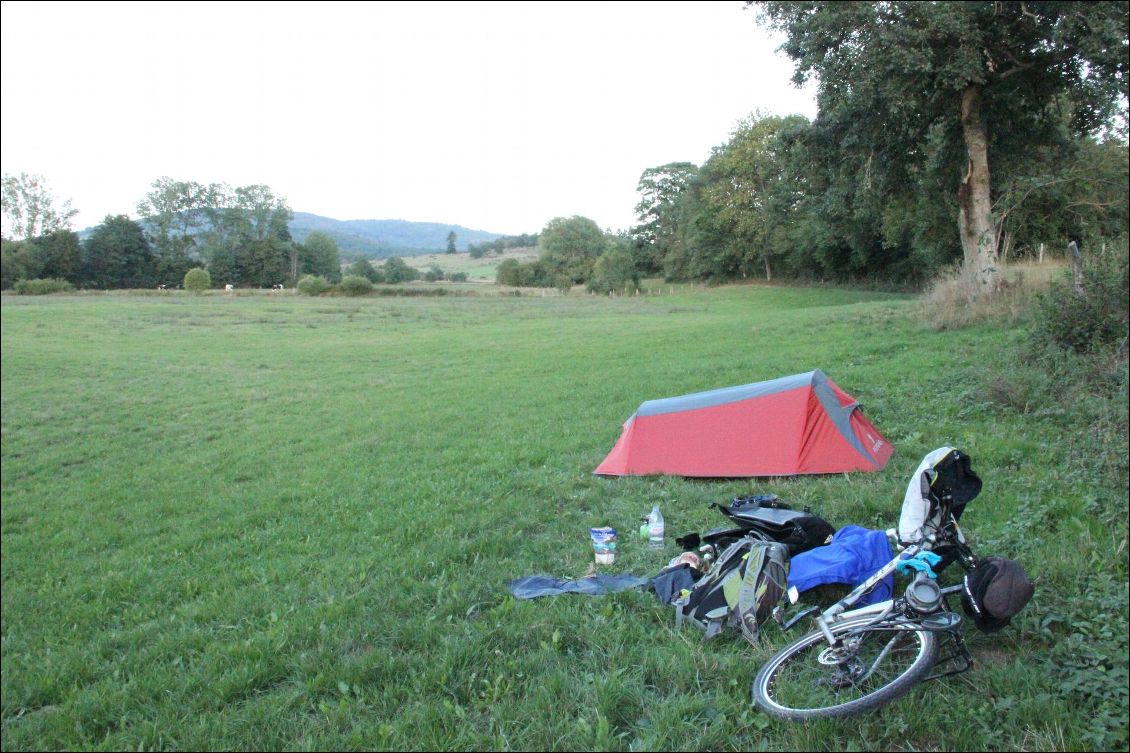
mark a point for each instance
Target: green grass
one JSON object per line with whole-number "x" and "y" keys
{"x": 275, "y": 522}
{"x": 483, "y": 269}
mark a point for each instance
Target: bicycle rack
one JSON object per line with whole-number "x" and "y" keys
{"x": 951, "y": 651}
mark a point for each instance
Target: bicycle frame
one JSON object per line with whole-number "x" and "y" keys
{"x": 840, "y": 611}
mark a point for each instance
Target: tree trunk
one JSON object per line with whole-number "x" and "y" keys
{"x": 979, "y": 230}
{"x": 768, "y": 270}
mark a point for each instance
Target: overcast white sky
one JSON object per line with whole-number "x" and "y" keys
{"x": 497, "y": 117}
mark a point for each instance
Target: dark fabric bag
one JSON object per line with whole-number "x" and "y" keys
{"x": 774, "y": 520}
{"x": 995, "y": 591}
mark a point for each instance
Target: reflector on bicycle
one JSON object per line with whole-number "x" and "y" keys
{"x": 942, "y": 484}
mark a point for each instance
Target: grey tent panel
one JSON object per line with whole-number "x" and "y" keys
{"x": 712, "y": 398}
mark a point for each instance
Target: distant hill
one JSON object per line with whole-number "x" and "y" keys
{"x": 384, "y": 238}
{"x": 380, "y": 238}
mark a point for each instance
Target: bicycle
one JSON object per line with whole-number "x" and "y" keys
{"x": 859, "y": 659}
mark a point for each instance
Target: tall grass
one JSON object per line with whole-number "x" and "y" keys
{"x": 954, "y": 299}
{"x": 247, "y": 522}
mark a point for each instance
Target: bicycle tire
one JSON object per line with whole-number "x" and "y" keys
{"x": 795, "y": 684}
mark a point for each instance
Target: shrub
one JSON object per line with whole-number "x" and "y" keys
{"x": 1092, "y": 320}
{"x": 355, "y": 285}
{"x": 197, "y": 280}
{"x": 397, "y": 270}
{"x": 363, "y": 268}
{"x": 614, "y": 271}
{"x": 434, "y": 274}
{"x": 313, "y": 285}
{"x": 42, "y": 287}
{"x": 457, "y": 277}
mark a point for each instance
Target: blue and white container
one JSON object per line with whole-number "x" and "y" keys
{"x": 604, "y": 545}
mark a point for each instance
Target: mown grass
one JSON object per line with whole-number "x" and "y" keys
{"x": 287, "y": 523}
{"x": 483, "y": 269}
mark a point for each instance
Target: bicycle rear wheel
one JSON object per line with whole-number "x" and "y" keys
{"x": 868, "y": 666}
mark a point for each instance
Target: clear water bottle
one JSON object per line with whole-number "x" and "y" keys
{"x": 655, "y": 528}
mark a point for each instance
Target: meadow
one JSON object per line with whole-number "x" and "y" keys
{"x": 481, "y": 270}
{"x": 275, "y": 522}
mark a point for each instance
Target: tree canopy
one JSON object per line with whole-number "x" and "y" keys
{"x": 569, "y": 246}
{"x": 29, "y": 208}
{"x": 918, "y": 97}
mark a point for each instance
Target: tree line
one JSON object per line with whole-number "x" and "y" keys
{"x": 946, "y": 132}
{"x": 239, "y": 235}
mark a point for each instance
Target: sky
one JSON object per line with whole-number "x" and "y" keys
{"x": 494, "y": 116}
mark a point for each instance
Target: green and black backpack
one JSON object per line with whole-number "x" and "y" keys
{"x": 748, "y": 579}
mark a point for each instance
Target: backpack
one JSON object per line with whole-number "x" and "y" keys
{"x": 749, "y": 578}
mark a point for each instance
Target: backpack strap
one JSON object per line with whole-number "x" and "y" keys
{"x": 766, "y": 569}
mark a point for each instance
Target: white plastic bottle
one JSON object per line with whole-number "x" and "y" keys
{"x": 655, "y": 528}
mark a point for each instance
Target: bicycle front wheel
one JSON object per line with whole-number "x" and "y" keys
{"x": 868, "y": 666}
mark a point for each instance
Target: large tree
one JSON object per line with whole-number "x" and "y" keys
{"x": 659, "y": 232}
{"x": 29, "y": 208}
{"x": 907, "y": 87}
{"x": 60, "y": 255}
{"x": 319, "y": 256}
{"x": 569, "y": 246}
{"x": 117, "y": 255}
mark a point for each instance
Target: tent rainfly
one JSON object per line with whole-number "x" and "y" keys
{"x": 800, "y": 424}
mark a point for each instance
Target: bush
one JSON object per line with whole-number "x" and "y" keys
{"x": 197, "y": 280}
{"x": 1095, "y": 319}
{"x": 397, "y": 270}
{"x": 457, "y": 277}
{"x": 42, "y": 287}
{"x": 614, "y": 271}
{"x": 434, "y": 274}
{"x": 313, "y": 285}
{"x": 355, "y": 285}
{"x": 363, "y": 268}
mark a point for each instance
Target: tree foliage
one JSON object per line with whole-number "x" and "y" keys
{"x": 117, "y": 255}
{"x": 614, "y": 271}
{"x": 499, "y": 245}
{"x": 319, "y": 256}
{"x": 313, "y": 285}
{"x": 241, "y": 234}
{"x": 921, "y": 98}
{"x": 659, "y": 234}
{"x": 569, "y": 246}
{"x": 29, "y": 208}
{"x": 355, "y": 285}
{"x": 197, "y": 280}
{"x": 887, "y": 182}
{"x": 397, "y": 270}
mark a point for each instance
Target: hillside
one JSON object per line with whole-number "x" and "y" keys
{"x": 379, "y": 238}
{"x": 384, "y": 238}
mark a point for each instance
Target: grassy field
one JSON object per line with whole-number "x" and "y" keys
{"x": 274, "y": 522}
{"x": 483, "y": 269}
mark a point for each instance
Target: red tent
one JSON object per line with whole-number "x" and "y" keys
{"x": 793, "y": 425}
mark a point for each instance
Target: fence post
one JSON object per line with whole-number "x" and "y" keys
{"x": 1076, "y": 267}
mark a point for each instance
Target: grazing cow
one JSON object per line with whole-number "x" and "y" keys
{"x": 162, "y": 286}
{"x": 229, "y": 286}
{"x": 278, "y": 286}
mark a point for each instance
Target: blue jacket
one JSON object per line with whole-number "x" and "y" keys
{"x": 853, "y": 556}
